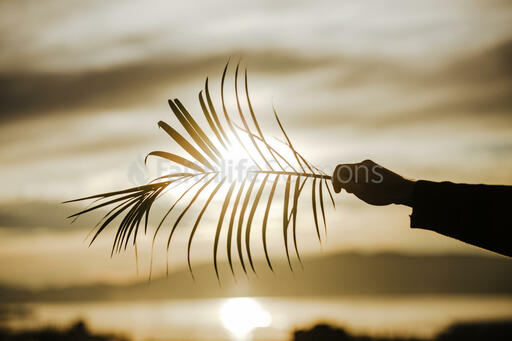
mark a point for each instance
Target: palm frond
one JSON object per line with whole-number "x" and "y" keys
{"x": 207, "y": 149}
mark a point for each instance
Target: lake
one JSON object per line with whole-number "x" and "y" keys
{"x": 267, "y": 318}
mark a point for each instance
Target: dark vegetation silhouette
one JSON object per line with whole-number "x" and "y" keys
{"x": 474, "y": 331}
{"x": 269, "y": 166}
{"x": 76, "y": 332}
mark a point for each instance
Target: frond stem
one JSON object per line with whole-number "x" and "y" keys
{"x": 307, "y": 175}
{"x": 275, "y": 172}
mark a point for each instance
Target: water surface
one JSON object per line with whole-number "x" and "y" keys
{"x": 422, "y": 316}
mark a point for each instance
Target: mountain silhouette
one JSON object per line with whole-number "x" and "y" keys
{"x": 332, "y": 275}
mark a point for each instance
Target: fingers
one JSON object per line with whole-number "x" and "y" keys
{"x": 353, "y": 176}
{"x": 342, "y": 174}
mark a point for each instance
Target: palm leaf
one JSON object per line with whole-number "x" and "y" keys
{"x": 297, "y": 192}
{"x": 241, "y": 222}
{"x": 313, "y": 203}
{"x": 285, "y": 218}
{"x": 207, "y": 147}
{"x": 177, "y": 159}
{"x": 196, "y": 224}
{"x": 219, "y": 226}
{"x": 265, "y": 220}
{"x": 214, "y": 112}
{"x": 231, "y": 223}
{"x": 250, "y": 219}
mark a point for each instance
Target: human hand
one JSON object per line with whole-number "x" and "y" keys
{"x": 373, "y": 183}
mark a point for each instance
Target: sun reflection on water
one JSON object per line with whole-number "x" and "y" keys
{"x": 242, "y": 315}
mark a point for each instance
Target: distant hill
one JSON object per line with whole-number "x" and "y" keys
{"x": 333, "y": 275}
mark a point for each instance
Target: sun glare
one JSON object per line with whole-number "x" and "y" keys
{"x": 235, "y": 163}
{"x": 242, "y": 315}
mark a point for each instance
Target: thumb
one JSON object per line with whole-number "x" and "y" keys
{"x": 340, "y": 174}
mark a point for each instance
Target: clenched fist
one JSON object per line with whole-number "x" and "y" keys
{"x": 373, "y": 183}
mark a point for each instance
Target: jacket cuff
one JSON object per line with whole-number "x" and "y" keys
{"x": 432, "y": 206}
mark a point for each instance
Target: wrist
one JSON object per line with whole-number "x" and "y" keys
{"x": 406, "y": 193}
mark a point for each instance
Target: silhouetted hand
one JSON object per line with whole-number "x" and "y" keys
{"x": 373, "y": 183}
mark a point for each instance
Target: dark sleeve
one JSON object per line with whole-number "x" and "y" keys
{"x": 476, "y": 214}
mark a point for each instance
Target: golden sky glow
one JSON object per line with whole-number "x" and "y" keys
{"x": 423, "y": 87}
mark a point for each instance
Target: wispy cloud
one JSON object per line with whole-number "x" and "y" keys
{"x": 124, "y": 86}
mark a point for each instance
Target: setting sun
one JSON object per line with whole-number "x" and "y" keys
{"x": 242, "y": 315}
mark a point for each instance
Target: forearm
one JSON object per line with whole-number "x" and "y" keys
{"x": 475, "y": 214}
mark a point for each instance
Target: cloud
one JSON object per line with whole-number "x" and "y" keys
{"x": 379, "y": 93}
{"x": 30, "y": 215}
{"x": 475, "y": 84}
{"x": 27, "y": 93}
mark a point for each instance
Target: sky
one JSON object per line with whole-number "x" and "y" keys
{"x": 423, "y": 88}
